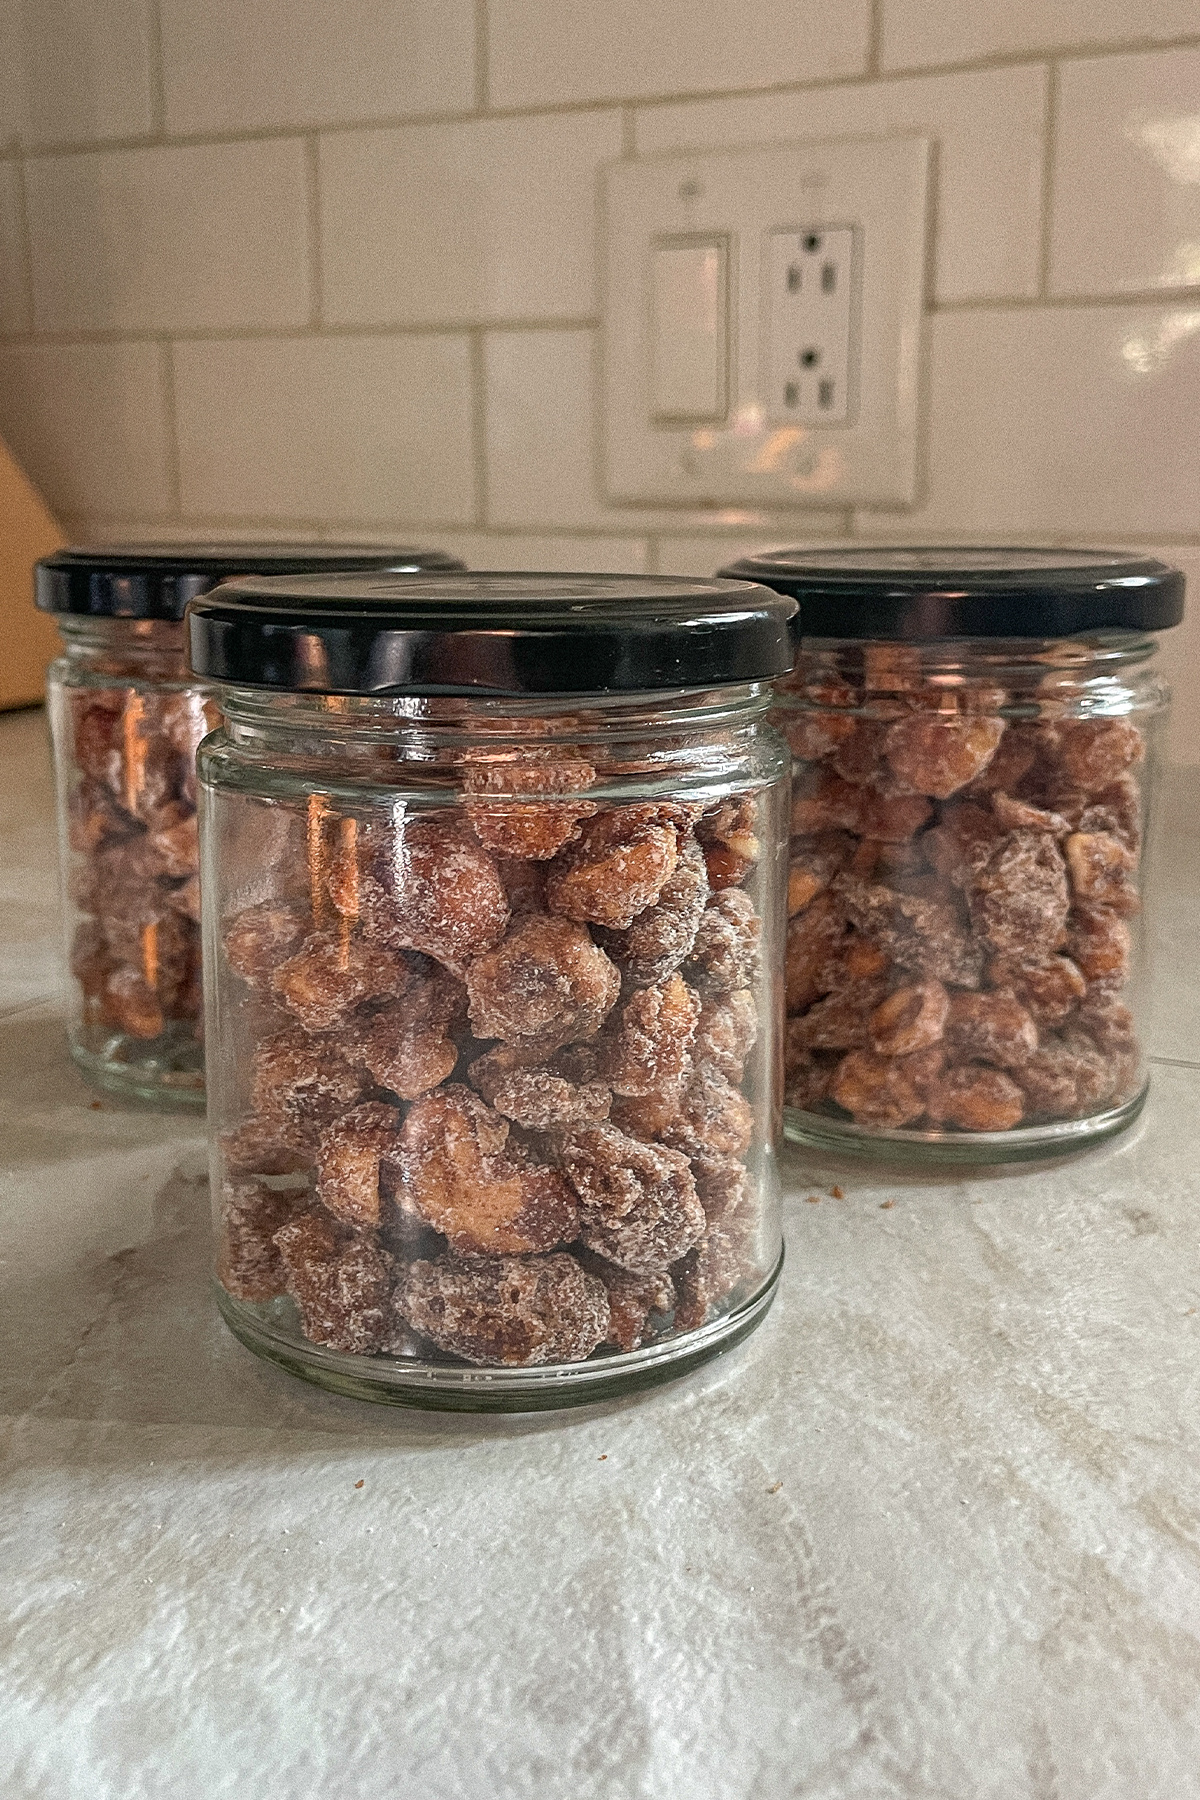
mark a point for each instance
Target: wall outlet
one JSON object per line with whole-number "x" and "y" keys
{"x": 810, "y": 328}
{"x": 762, "y": 325}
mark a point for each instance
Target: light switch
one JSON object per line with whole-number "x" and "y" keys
{"x": 689, "y": 286}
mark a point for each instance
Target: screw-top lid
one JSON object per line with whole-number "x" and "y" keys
{"x": 921, "y": 594}
{"x": 488, "y": 634}
{"x": 156, "y": 581}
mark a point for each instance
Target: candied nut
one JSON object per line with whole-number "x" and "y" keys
{"x": 259, "y": 939}
{"x": 813, "y": 863}
{"x": 185, "y": 899}
{"x": 960, "y": 845}
{"x": 341, "y": 1284}
{"x": 661, "y": 938}
{"x": 1049, "y": 990}
{"x": 638, "y": 1204}
{"x": 822, "y": 801}
{"x": 303, "y": 1080}
{"x": 811, "y": 952}
{"x": 923, "y": 1067}
{"x": 1019, "y": 815}
{"x": 1100, "y": 944}
{"x": 433, "y": 887}
{"x": 728, "y": 838}
{"x": 649, "y": 1115}
{"x": 94, "y": 819}
{"x": 260, "y": 1147}
{"x": 249, "y": 1265}
{"x": 810, "y": 728}
{"x": 1094, "y": 752}
{"x": 524, "y": 883}
{"x": 808, "y": 1074}
{"x": 859, "y": 758}
{"x": 545, "y": 984}
{"x": 713, "y": 1117}
{"x": 1101, "y": 869}
{"x": 893, "y": 818}
{"x": 330, "y": 975}
{"x": 132, "y": 1004}
{"x": 1107, "y": 1021}
{"x": 938, "y": 753}
{"x": 993, "y": 1028}
{"x": 724, "y": 1260}
{"x": 510, "y": 1311}
{"x": 725, "y": 952}
{"x": 1117, "y": 809}
{"x": 922, "y": 936}
{"x": 1019, "y": 899}
{"x": 648, "y": 1046}
{"x": 1019, "y": 750}
{"x": 618, "y": 867}
{"x": 540, "y": 1100}
{"x": 90, "y": 961}
{"x": 95, "y": 729}
{"x": 726, "y": 1032}
{"x": 841, "y": 1021}
{"x": 458, "y": 1177}
{"x": 876, "y": 1090}
{"x": 348, "y": 1158}
{"x": 1064, "y": 1080}
{"x": 632, "y": 1299}
{"x": 510, "y": 826}
{"x": 910, "y": 1019}
{"x": 404, "y": 1048}
{"x": 976, "y": 1098}
{"x": 178, "y": 846}
{"x": 723, "y": 1185}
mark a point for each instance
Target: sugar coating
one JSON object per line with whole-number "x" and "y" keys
{"x": 528, "y": 831}
{"x": 713, "y": 1116}
{"x": 431, "y": 886}
{"x": 875, "y": 1090}
{"x": 349, "y": 1155}
{"x": 722, "y": 1262}
{"x": 457, "y": 1175}
{"x": 1101, "y": 870}
{"x": 937, "y": 754}
{"x": 330, "y": 974}
{"x": 993, "y": 1028}
{"x": 1095, "y": 752}
{"x": 726, "y": 1032}
{"x": 649, "y": 1039}
{"x": 638, "y": 1202}
{"x": 618, "y": 867}
{"x": 541, "y": 1100}
{"x": 341, "y": 1283}
{"x": 910, "y": 1019}
{"x": 725, "y": 954}
{"x": 925, "y": 937}
{"x": 249, "y": 1265}
{"x": 662, "y": 936}
{"x": 976, "y": 1098}
{"x": 302, "y": 1081}
{"x": 260, "y": 939}
{"x": 842, "y": 1019}
{"x": 546, "y": 983}
{"x": 506, "y": 1311}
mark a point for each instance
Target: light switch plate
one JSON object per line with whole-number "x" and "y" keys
{"x": 754, "y": 202}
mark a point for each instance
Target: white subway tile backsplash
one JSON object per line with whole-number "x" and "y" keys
{"x": 229, "y": 65}
{"x": 74, "y": 71}
{"x": 170, "y": 239}
{"x": 704, "y": 556}
{"x": 490, "y": 219}
{"x": 918, "y": 34}
{"x": 373, "y": 429}
{"x": 87, "y": 422}
{"x": 1126, "y": 210}
{"x": 594, "y": 555}
{"x": 544, "y": 52}
{"x": 14, "y": 298}
{"x": 987, "y": 125}
{"x": 1059, "y": 422}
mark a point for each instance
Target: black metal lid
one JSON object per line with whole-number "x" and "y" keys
{"x": 488, "y": 634}
{"x": 919, "y": 594}
{"x": 156, "y": 581}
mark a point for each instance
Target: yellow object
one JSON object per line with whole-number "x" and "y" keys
{"x": 28, "y": 639}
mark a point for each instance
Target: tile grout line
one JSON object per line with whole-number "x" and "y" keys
{"x": 158, "y": 91}
{"x": 25, "y": 247}
{"x": 479, "y": 457}
{"x": 875, "y": 39}
{"x": 1175, "y": 1062}
{"x": 628, "y": 133}
{"x": 482, "y": 82}
{"x": 1049, "y": 151}
{"x": 312, "y": 190}
{"x": 174, "y": 468}
{"x": 1030, "y": 58}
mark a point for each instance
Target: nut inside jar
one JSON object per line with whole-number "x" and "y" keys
{"x": 498, "y": 1059}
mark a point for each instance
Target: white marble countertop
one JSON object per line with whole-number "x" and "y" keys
{"x": 934, "y": 1531}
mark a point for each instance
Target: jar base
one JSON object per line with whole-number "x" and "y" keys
{"x": 170, "y": 1076}
{"x": 1035, "y": 1143}
{"x": 402, "y": 1381}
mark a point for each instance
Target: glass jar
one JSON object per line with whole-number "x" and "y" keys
{"x": 974, "y": 735}
{"x": 127, "y": 719}
{"x": 493, "y": 874}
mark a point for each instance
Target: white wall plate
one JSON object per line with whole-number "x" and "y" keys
{"x": 725, "y": 268}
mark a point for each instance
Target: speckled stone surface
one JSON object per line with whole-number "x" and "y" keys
{"x": 933, "y": 1532}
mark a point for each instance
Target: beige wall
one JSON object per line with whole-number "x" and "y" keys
{"x": 293, "y": 267}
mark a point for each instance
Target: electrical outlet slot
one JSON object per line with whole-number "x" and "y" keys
{"x": 811, "y": 324}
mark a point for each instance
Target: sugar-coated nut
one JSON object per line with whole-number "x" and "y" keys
{"x": 402, "y": 1046}
{"x": 1049, "y": 990}
{"x": 910, "y": 1019}
{"x": 725, "y": 954}
{"x": 536, "y": 1096}
{"x": 842, "y": 1020}
{"x": 348, "y": 1158}
{"x": 1118, "y": 809}
{"x": 545, "y": 984}
{"x": 1101, "y": 871}
{"x": 726, "y": 1032}
{"x": 249, "y": 1265}
{"x": 260, "y": 938}
{"x": 648, "y": 1042}
{"x": 876, "y": 1090}
{"x": 1019, "y": 750}
{"x": 976, "y": 1098}
{"x": 131, "y": 1003}
{"x": 992, "y": 1028}
{"x": 808, "y": 1074}
{"x": 261, "y": 1146}
{"x": 728, "y": 836}
{"x": 1095, "y": 752}
{"x": 1020, "y": 815}
{"x": 893, "y": 818}
{"x": 331, "y": 974}
{"x": 822, "y": 801}
{"x": 433, "y": 887}
{"x": 95, "y": 728}
{"x": 923, "y": 936}
{"x": 813, "y": 941}
{"x": 812, "y": 865}
{"x": 459, "y": 1178}
{"x": 938, "y": 753}
{"x": 1065, "y": 1080}
{"x": 302, "y": 1080}
{"x": 1100, "y": 944}
{"x": 1107, "y": 1021}
{"x": 812, "y": 732}
{"x": 536, "y": 828}
{"x": 633, "y": 1300}
{"x": 506, "y": 1311}
{"x": 342, "y": 1285}
{"x": 724, "y": 1260}
{"x": 638, "y": 1202}
{"x": 1019, "y": 899}
{"x": 713, "y": 1116}
{"x": 618, "y": 866}
{"x": 524, "y": 882}
{"x": 662, "y": 937}
{"x": 649, "y": 1115}
{"x": 723, "y": 1185}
